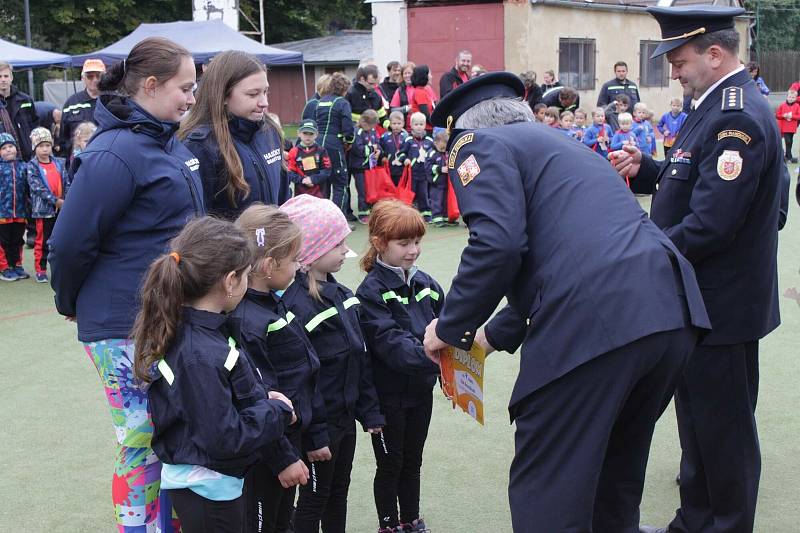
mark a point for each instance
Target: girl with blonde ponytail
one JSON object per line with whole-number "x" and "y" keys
{"x": 211, "y": 414}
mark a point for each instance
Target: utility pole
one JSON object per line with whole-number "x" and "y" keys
{"x": 29, "y": 45}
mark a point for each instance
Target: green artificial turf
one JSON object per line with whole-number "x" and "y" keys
{"x": 58, "y": 445}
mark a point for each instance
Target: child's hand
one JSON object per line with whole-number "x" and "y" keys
{"x": 397, "y": 162}
{"x": 307, "y": 182}
{"x": 666, "y": 132}
{"x": 294, "y": 474}
{"x": 275, "y": 395}
{"x": 407, "y": 162}
{"x": 59, "y": 203}
{"x": 323, "y": 454}
{"x": 375, "y": 431}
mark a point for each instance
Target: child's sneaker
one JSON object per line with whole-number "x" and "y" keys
{"x": 41, "y": 277}
{"x": 364, "y": 219}
{"x": 417, "y": 526}
{"x": 427, "y": 218}
{"x": 21, "y": 274}
{"x": 8, "y": 275}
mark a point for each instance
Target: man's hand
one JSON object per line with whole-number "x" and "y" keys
{"x": 323, "y": 454}
{"x": 294, "y": 474}
{"x": 626, "y": 161}
{"x": 432, "y": 342}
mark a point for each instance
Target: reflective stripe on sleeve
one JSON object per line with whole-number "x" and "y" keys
{"x": 281, "y": 323}
{"x": 166, "y": 371}
{"x": 350, "y": 302}
{"x": 233, "y": 355}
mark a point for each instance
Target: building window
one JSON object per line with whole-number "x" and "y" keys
{"x": 652, "y": 72}
{"x": 576, "y": 63}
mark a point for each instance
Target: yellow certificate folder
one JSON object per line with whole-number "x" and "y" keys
{"x": 462, "y": 378}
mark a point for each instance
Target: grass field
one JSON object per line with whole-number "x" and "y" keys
{"x": 58, "y": 445}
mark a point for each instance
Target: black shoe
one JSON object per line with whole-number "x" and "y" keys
{"x": 793, "y": 159}
{"x": 678, "y": 480}
{"x": 29, "y": 243}
{"x": 651, "y": 529}
{"x": 351, "y": 217}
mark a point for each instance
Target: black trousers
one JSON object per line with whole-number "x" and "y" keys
{"x": 398, "y": 454}
{"x": 11, "y": 240}
{"x": 340, "y": 180}
{"x": 721, "y": 460}
{"x": 437, "y": 194}
{"x": 201, "y": 515}
{"x": 361, "y": 190}
{"x": 788, "y": 138}
{"x": 582, "y": 441}
{"x": 268, "y": 506}
{"x": 420, "y": 188}
{"x": 324, "y": 498}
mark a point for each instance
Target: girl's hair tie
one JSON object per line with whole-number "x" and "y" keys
{"x": 176, "y": 257}
{"x": 261, "y": 237}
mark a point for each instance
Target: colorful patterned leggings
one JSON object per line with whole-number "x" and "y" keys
{"x": 137, "y": 470}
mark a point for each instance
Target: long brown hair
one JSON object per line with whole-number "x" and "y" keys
{"x": 154, "y": 56}
{"x": 200, "y": 256}
{"x": 271, "y": 233}
{"x": 389, "y": 220}
{"x": 223, "y": 73}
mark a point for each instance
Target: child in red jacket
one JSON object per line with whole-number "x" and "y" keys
{"x": 788, "y": 113}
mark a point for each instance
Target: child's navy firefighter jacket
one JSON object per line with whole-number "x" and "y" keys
{"x": 332, "y": 325}
{"x": 416, "y": 150}
{"x": 394, "y": 314}
{"x": 286, "y": 361}
{"x": 195, "y": 422}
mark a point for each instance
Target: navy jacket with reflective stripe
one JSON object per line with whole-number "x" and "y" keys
{"x": 208, "y": 406}
{"x": 394, "y": 316}
{"x": 345, "y": 377}
{"x": 286, "y": 362}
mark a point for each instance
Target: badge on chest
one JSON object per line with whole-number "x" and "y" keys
{"x": 681, "y": 157}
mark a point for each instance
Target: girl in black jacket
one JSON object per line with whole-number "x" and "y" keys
{"x": 211, "y": 415}
{"x": 278, "y": 346}
{"x": 398, "y": 301}
{"x": 329, "y": 313}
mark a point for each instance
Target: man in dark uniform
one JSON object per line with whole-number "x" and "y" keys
{"x": 80, "y": 106}
{"x": 718, "y": 198}
{"x": 564, "y": 98}
{"x": 619, "y": 85}
{"x": 603, "y": 304}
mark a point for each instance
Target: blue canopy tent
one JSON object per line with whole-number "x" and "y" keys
{"x": 204, "y": 39}
{"x": 23, "y": 57}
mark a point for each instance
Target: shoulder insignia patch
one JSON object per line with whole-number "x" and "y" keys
{"x": 468, "y": 170}
{"x": 742, "y": 136}
{"x": 729, "y": 165}
{"x": 732, "y": 99}
{"x": 466, "y": 139}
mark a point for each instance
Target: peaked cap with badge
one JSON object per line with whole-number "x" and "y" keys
{"x": 556, "y": 232}
{"x": 717, "y": 196}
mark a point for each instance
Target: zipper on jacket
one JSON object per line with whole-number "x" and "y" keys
{"x": 190, "y": 183}
{"x": 261, "y": 177}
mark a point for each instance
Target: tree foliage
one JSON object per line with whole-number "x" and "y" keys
{"x": 79, "y": 26}
{"x": 776, "y": 23}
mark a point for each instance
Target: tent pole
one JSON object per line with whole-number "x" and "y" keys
{"x": 305, "y": 85}
{"x": 261, "y": 21}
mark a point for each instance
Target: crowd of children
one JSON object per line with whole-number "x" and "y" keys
{"x": 367, "y": 131}
{"x": 32, "y": 191}
{"x": 634, "y": 128}
{"x": 259, "y": 364}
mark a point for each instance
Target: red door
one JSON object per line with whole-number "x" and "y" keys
{"x": 436, "y": 34}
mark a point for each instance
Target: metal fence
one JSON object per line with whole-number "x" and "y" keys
{"x": 780, "y": 68}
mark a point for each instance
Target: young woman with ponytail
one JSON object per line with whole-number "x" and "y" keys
{"x": 398, "y": 301}
{"x": 211, "y": 414}
{"x": 134, "y": 189}
{"x": 240, "y": 148}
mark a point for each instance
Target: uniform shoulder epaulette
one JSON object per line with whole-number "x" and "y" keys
{"x": 732, "y": 99}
